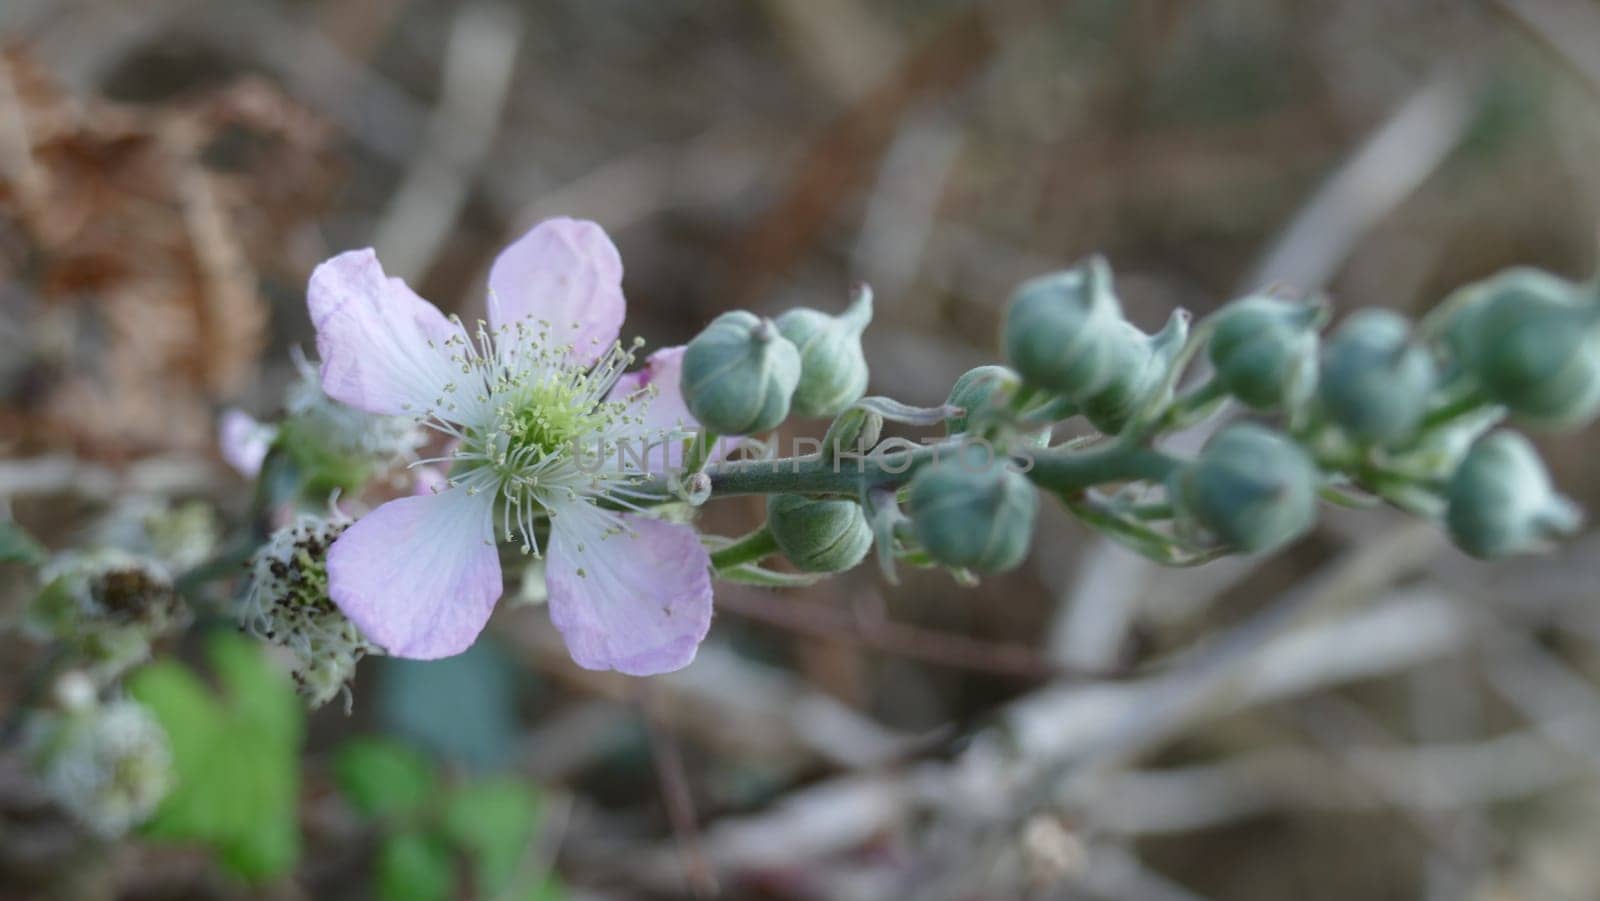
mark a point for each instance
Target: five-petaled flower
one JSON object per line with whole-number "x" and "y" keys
{"x": 544, "y": 378}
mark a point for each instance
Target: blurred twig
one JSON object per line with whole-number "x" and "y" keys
{"x": 478, "y": 63}
{"x": 940, "y": 648}
{"x": 1569, "y": 27}
{"x": 64, "y": 475}
{"x": 1013, "y": 766}
{"x": 733, "y": 706}
{"x": 843, "y": 155}
{"x": 1397, "y": 158}
{"x": 677, "y": 797}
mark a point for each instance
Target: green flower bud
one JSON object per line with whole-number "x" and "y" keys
{"x": 855, "y": 431}
{"x": 1533, "y": 342}
{"x": 1501, "y": 501}
{"x": 340, "y": 431}
{"x": 1252, "y": 488}
{"x": 1265, "y": 351}
{"x": 969, "y": 509}
{"x": 1139, "y": 364}
{"x": 980, "y": 393}
{"x": 1058, "y": 326}
{"x": 833, "y": 371}
{"x": 1374, "y": 382}
{"x": 740, "y": 374}
{"x": 819, "y": 536}
{"x": 335, "y": 447}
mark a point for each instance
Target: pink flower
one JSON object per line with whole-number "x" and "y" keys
{"x": 244, "y": 441}
{"x": 541, "y": 382}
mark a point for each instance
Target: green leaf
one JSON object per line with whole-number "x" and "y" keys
{"x": 547, "y": 889}
{"x": 383, "y": 778}
{"x": 494, "y": 820}
{"x": 414, "y": 866}
{"x": 17, "y": 546}
{"x": 235, "y": 758}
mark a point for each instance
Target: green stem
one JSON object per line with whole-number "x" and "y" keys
{"x": 1071, "y": 472}
{"x": 699, "y": 451}
{"x": 1055, "y": 469}
{"x": 748, "y": 549}
{"x": 1196, "y": 399}
{"x": 1148, "y": 418}
{"x": 1469, "y": 402}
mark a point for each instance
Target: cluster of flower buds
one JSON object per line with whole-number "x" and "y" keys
{"x": 105, "y": 762}
{"x": 744, "y": 374}
{"x": 108, "y": 606}
{"x": 1399, "y": 412}
{"x": 288, "y": 605}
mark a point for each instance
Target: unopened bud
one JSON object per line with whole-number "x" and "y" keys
{"x": 1264, "y": 351}
{"x": 854, "y": 432}
{"x": 740, "y": 374}
{"x": 819, "y": 536}
{"x": 833, "y": 370}
{"x": 980, "y": 394}
{"x": 969, "y": 509}
{"x": 1058, "y": 326}
{"x": 335, "y": 446}
{"x": 1251, "y": 488}
{"x": 1375, "y": 383}
{"x": 1138, "y": 367}
{"x": 1533, "y": 342}
{"x": 1501, "y": 501}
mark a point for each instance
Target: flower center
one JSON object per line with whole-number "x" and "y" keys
{"x": 541, "y": 431}
{"x": 547, "y": 417}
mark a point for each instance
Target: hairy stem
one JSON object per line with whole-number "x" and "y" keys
{"x": 1054, "y": 469}
{"x": 748, "y": 549}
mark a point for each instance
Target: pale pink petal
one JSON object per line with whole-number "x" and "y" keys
{"x": 638, "y": 602}
{"x": 419, "y": 576}
{"x": 244, "y": 442}
{"x": 382, "y": 346}
{"x": 427, "y": 480}
{"x": 565, "y": 272}
{"x": 666, "y": 410}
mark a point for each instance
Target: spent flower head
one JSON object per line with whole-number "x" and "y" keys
{"x": 109, "y": 605}
{"x": 288, "y": 605}
{"x": 107, "y": 764}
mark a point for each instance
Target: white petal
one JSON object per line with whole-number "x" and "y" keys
{"x": 565, "y": 272}
{"x": 382, "y": 346}
{"x": 638, "y": 602}
{"x": 419, "y": 576}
